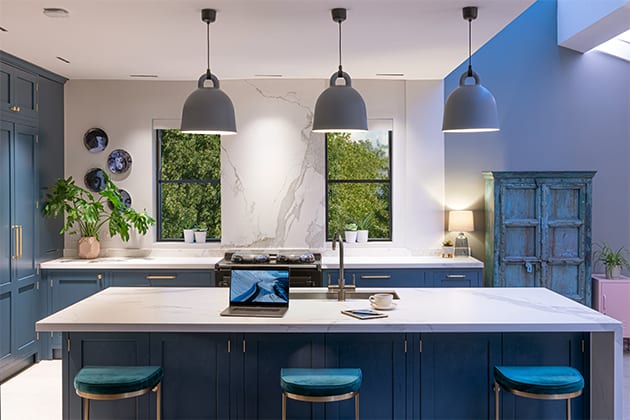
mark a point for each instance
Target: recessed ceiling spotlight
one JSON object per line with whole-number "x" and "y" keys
{"x": 144, "y": 76}
{"x": 3, "y": 29}
{"x": 267, "y": 75}
{"x": 390, "y": 74}
{"x": 56, "y": 12}
{"x": 63, "y": 59}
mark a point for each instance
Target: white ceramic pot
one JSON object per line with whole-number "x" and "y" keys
{"x": 447, "y": 251}
{"x": 362, "y": 235}
{"x": 189, "y": 236}
{"x": 351, "y": 235}
{"x": 200, "y": 237}
{"x": 88, "y": 247}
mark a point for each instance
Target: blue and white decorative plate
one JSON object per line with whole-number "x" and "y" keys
{"x": 95, "y": 140}
{"x": 95, "y": 179}
{"x": 126, "y": 199}
{"x": 119, "y": 161}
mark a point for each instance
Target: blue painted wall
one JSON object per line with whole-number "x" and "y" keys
{"x": 558, "y": 110}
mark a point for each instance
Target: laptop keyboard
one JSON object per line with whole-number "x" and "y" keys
{"x": 254, "y": 309}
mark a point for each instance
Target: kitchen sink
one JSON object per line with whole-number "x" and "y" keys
{"x": 332, "y": 295}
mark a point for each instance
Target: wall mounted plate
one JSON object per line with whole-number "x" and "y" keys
{"x": 95, "y": 140}
{"x": 119, "y": 161}
{"x": 126, "y": 199}
{"x": 95, "y": 180}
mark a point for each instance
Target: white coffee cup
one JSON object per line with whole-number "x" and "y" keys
{"x": 382, "y": 300}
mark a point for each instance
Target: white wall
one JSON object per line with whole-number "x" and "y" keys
{"x": 273, "y": 169}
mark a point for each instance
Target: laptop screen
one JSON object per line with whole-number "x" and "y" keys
{"x": 259, "y": 287}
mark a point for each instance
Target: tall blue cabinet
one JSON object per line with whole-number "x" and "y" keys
{"x": 23, "y": 125}
{"x": 538, "y": 231}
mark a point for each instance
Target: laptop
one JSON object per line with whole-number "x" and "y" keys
{"x": 258, "y": 293}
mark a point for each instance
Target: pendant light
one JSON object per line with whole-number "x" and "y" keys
{"x": 470, "y": 108}
{"x": 208, "y": 110}
{"x": 339, "y": 108}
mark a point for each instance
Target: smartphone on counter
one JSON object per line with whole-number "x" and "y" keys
{"x": 363, "y": 313}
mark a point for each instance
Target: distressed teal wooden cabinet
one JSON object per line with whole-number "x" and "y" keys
{"x": 538, "y": 231}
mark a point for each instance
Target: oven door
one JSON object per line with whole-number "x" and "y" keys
{"x": 298, "y": 276}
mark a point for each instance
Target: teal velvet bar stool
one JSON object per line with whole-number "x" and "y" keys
{"x": 540, "y": 382}
{"x": 116, "y": 383}
{"x": 320, "y": 385}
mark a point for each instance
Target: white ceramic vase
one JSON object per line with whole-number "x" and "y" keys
{"x": 189, "y": 236}
{"x": 88, "y": 247}
{"x": 362, "y": 235}
{"x": 351, "y": 235}
{"x": 200, "y": 237}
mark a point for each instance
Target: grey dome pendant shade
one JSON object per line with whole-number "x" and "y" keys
{"x": 470, "y": 108}
{"x": 339, "y": 108}
{"x": 208, "y": 110}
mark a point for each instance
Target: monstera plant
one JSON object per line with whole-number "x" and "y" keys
{"x": 86, "y": 214}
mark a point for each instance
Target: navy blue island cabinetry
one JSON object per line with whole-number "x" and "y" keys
{"x": 407, "y": 277}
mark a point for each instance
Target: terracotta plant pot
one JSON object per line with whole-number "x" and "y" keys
{"x": 88, "y": 247}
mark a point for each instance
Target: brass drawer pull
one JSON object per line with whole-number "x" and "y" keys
{"x": 15, "y": 108}
{"x": 17, "y": 242}
{"x": 21, "y": 241}
{"x": 375, "y": 277}
{"x": 161, "y": 277}
{"x": 455, "y": 276}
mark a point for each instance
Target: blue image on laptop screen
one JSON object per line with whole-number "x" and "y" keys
{"x": 259, "y": 286}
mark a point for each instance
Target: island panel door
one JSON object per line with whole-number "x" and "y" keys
{"x": 264, "y": 355}
{"x": 565, "y": 247}
{"x": 518, "y": 250}
{"x": 382, "y": 359}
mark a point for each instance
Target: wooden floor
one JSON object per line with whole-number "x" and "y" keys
{"x": 36, "y": 392}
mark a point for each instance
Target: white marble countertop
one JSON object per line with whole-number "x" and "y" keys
{"x": 205, "y": 263}
{"x": 407, "y": 261}
{"x": 148, "y": 309}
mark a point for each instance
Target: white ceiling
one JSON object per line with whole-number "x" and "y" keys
{"x": 112, "y": 39}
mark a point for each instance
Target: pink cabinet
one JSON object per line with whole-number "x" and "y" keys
{"x": 612, "y": 297}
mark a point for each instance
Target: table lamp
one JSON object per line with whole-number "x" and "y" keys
{"x": 461, "y": 221}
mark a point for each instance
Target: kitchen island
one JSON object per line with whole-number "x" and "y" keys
{"x": 432, "y": 357}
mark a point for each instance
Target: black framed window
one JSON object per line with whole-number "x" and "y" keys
{"x": 188, "y": 184}
{"x": 359, "y": 183}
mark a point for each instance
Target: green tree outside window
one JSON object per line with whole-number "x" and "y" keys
{"x": 188, "y": 184}
{"x": 358, "y": 182}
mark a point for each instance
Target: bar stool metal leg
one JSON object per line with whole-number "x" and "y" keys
{"x": 568, "y": 408}
{"x": 496, "y": 400}
{"x": 86, "y": 408}
{"x": 284, "y": 406}
{"x": 356, "y": 406}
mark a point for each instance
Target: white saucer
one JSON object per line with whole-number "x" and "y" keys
{"x": 384, "y": 308}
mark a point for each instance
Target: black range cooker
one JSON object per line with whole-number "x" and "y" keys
{"x": 305, "y": 268}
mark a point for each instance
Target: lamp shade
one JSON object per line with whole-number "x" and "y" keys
{"x": 470, "y": 108}
{"x": 340, "y": 108}
{"x": 208, "y": 110}
{"x": 460, "y": 221}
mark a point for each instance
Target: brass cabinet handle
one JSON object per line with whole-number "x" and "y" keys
{"x": 382, "y": 277}
{"x": 17, "y": 241}
{"x": 455, "y": 276}
{"x": 21, "y": 241}
{"x": 15, "y": 108}
{"x": 149, "y": 277}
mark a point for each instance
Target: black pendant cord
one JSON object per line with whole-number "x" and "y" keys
{"x": 208, "y": 73}
{"x": 340, "y": 73}
{"x": 470, "y": 71}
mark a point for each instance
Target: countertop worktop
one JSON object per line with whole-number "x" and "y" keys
{"x": 204, "y": 263}
{"x": 131, "y": 309}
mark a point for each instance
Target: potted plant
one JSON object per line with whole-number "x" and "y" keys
{"x": 447, "y": 249}
{"x": 363, "y": 231}
{"x": 613, "y": 260}
{"x": 86, "y": 214}
{"x": 189, "y": 236}
{"x": 200, "y": 233}
{"x": 351, "y": 232}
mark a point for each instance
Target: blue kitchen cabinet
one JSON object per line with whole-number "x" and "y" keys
{"x": 18, "y": 92}
{"x": 456, "y": 375}
{"x": 390, "y": 277}
{"x": 538, "y": 231}
{"x": 19, "y": 280}
{"x": 454, "y": 278}
{"x": 120, "y": 349}
{"x": 258, "y": 358}
{"x": 68, "y": 287}
{"x": 382, "y": 359}
{"x": 161, "y": 278}
{"x": 196, "y": 383}
{"x": 550, "y": 349}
